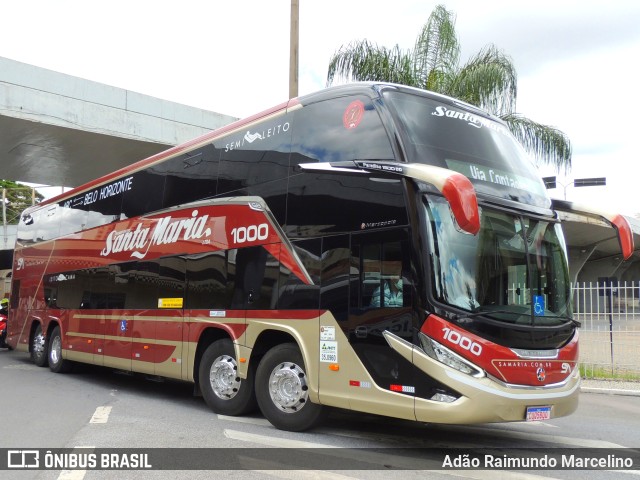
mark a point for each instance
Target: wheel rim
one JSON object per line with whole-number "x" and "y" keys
{"x": 223, "y": 376}
{"x": 56, "y": 350}
{"x": 288, "y": 387}
{"x": 38, "y": 344}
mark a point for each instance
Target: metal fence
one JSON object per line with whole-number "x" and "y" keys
{"x": 610, "y": 332}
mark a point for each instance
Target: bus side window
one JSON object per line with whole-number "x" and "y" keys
{"x": 321, "y": 133}
{"x": 208, "y": 281}
{"x": 171, "y": 277}
{"x": 293, "y": 293}
{"x": 371, "y": 276}
{"x": 137, "y": 282}
{"x": 254, "y": 156}
{"x": 48, "y": 224}
{"x": 192, "y": 176}
{"x": 379, "y": 273}
{"x": 256, "y": 279}
{"x": 69, "y": 288}
{"x": 15, "y": 294}
{"x": 27, "y": 229}
{"x": 51, "y": 297}
{"x": 144, "y": 194}
{"x": 334, "y": 289}
{"x": 101, "y": 211}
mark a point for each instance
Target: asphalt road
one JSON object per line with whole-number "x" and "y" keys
{"x": 100, "y": 408}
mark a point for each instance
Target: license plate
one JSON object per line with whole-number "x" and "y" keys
{"x": 538, "y": 413}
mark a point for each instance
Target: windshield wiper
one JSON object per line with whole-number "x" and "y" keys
{"x": 493, "y": 321}
{"x": 576, "y": 323}
{"x": 463, "y": 316}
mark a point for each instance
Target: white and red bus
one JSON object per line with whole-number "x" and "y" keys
{"x": 368, "y": 247}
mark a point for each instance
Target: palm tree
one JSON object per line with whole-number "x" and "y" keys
{"x": 488, "y": 80}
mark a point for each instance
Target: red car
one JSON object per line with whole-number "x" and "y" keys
{"x": 4, "y": 306}
{"x": 3, "y": 331}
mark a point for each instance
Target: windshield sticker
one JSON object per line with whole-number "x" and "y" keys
{"x": 495, "y": 176}
{"x": 353, "y": 115}
{"x": 538, "y": 305}
{"x": 469, "y": 118}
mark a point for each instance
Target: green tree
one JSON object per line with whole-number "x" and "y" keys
{"x": 17, "y": 198}
{"x": 488, "y": 80}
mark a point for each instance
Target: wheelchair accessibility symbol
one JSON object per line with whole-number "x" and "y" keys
{"x": 538, "y": 305}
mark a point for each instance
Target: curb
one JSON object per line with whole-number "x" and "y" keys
{"x": 610, "y": 391}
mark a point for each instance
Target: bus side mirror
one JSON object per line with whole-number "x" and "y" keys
{"x": 456, "y": 188}
{"x": 625, "y": 235}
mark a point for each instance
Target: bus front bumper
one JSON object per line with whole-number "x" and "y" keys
{"x": 484, "y": 400}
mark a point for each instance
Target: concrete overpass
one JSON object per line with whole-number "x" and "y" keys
{"x": 56, "y": 129}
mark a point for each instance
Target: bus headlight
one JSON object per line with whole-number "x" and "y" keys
{"x": 448, "y": 357}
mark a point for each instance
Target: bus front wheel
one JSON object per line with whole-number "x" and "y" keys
{"x": 282, "y": 390}
{"x": 223, "y": 390}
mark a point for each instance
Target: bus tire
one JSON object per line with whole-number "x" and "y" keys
{"x": 223, "y": 390}
{"x": 56, "y": 363}
{"x": 282, "y": 390}
{"x": 39, "y": 347}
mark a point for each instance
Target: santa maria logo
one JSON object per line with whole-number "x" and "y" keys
{"x": 166, "y": 230}
{"x": 469, "y": 118}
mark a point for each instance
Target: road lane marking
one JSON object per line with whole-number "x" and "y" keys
{"x": 298, "y": 474}
{"x": 509, "y": 434}
{"x": 101, "y": 415}
{"x": 263, "y": 422}
{"x": 375, "y": 458}
{"x": 18, "y": 366}
{"x": 74, "y": 474}
{"x": 382, "y": 460}
{"x": 537, "y": 424}
{"x": 560, "y": 440}
{"x": 272, "y": 441}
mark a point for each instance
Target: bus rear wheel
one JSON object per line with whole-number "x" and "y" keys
{"x": 56, "y": 363}
{"x": 39, "y": 347}
{"x": 223, "y": 390}
{"x": 282, "y": 390}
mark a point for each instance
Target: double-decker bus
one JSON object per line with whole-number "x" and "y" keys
{"x": 369, "y": 247}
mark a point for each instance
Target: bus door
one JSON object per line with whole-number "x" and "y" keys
{"x": 169, "y": 322}
{"x": 118, "y": 333}
{"x": 146, "y": 328}
{"x": 109, "y": 297}
{"x": 381, "y": 299}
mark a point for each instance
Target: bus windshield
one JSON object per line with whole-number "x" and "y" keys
{"x": 514, "y": 269}
{"x": 455, "y": 137}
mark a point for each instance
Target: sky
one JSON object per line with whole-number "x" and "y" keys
{"x": 577, "y": 61}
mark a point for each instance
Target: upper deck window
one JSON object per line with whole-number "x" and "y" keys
{"x": 340, "y": 129}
